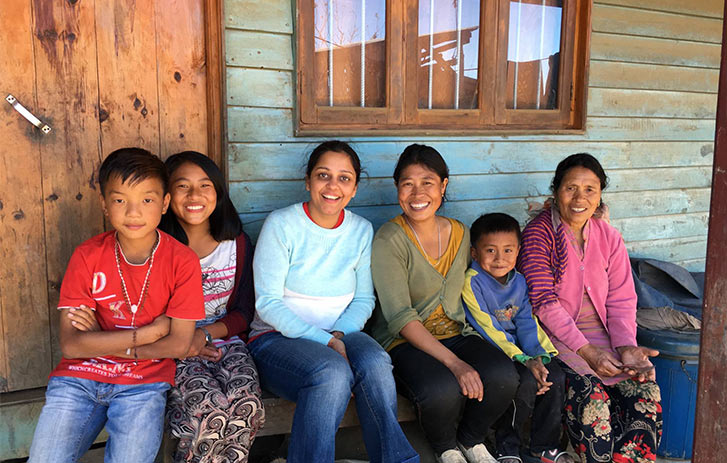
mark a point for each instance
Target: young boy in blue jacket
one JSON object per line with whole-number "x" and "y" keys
{"x": 497, "y": 305}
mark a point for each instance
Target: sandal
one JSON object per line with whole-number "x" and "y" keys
{"x": 556, "y": 456}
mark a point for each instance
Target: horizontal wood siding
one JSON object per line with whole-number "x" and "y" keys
{"x": 651, "y": 107}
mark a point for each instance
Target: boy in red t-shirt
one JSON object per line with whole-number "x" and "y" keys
{"x": 145, "y": 289}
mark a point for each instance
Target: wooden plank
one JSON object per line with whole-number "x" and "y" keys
{"x": 649, "y": 23}
{"x": 275, "y": 125}
{"x": 215, "y": 76}
{"x": 274, "y": 161}
{"x": 662, "y": 226}
{"x": 693, "y": 265}
{"x": 257, "y": 124}
{"x": 631, "y": 128}
{"x": 614, "y": 74}
{"x": 262, "y": 196}
{"x": 129, "y": 101}
{"x": 25, "y": 353}
{"x": 632, "y": 49}
{"x": 259, "y": 50}
{"x": 706, "y": 8}
{"x": 258, "y": 87}
{"x": 67, "y": 78}
{"x": 181, "y": 76}
{"x": 670, "y": 250}
{"x": 268, "y": 16}
{"x": 651, "y": 103}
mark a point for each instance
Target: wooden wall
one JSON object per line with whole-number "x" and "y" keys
{"x": 651, "y": 108}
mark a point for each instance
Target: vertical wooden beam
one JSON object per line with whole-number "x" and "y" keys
{"x": 181, "y": 76}
{"x": 711, "y": 421}
{"x": 215, "y": 45}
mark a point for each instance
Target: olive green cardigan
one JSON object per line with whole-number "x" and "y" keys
{"x": 409, "y": 288}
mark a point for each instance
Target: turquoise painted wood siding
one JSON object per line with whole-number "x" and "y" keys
{"x": 651, "y": 107}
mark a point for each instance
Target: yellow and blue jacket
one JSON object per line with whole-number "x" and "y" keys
{"x": 502, "y": 314}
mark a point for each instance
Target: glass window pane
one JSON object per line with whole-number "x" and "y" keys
{"x": 533, "y": 54}
{"x": 449, "y": 36}
{"x": 350, "y": 53}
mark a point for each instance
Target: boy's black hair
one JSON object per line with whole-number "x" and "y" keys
{"x": 225, "y": 224}
{"x": 493, "y": 223}
{"x": 133, "y": 165}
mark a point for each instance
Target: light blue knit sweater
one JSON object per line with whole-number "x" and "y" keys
{"x": 311, "y": 280}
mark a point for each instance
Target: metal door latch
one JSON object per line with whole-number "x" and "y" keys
{"x": 45, "y": 128}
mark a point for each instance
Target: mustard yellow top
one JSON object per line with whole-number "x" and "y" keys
{"x": 437, "y": 323}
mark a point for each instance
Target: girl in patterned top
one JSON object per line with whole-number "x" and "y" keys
{"x": 215, "y": 408}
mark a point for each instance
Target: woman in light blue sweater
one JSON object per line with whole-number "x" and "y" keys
{"x": 313, "y": 295}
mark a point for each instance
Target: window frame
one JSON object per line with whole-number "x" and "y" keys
{"x": 401, "y": 115}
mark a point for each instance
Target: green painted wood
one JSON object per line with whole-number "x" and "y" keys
{"x": 244, "y": 126}
{"x": 258, "y": 50}
{"x": 662, "y": 227}
{"x": 632, "y": 49}
{"x": 693, "y": 265}
{"x": 650, "y": 23}
{"x": 671, "y": 250}
{"x": 632, "y": 128}
{"x": 614, "y": 74}
{"x": 651, "y": 103}
{"x": 259, "y": 87}
{"x": 269, "y": 16}
{"x": 706, "y": 8}
{"x": 269, "y": 161}
{"x": 255, "y": 124}
{"x": 262, "y": 196}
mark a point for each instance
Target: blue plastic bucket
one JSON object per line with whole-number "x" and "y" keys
{"x": 676, "y": 373}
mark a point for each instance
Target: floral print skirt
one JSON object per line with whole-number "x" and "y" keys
{"x": 215, "y": 409}
{"x": 620, "y": 423}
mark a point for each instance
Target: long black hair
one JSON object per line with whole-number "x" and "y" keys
{"x": 225, "y": 224}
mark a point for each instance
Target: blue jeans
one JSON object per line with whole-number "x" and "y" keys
{"x": 76, "y": 410}
{"x": 320, "y": 382}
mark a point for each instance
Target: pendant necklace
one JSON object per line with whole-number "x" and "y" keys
{"x": 439, "y": 239}
{"x": 144, "y": 287}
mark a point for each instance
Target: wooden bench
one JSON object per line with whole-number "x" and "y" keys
{"x": 279, "y": 420}
{"x": 279, "y": 414}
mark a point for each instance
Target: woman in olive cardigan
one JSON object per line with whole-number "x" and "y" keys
{"x": 419, "y": 261}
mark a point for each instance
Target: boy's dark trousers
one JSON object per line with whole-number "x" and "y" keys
{"x": 546, "y": 410}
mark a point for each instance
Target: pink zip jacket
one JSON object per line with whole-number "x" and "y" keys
{"x": 604, "y": 273}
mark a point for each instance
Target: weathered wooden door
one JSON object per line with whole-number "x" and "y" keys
{"x": 102, "y": 74}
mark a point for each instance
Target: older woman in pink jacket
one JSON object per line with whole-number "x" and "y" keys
{"x": 581, "y": 289}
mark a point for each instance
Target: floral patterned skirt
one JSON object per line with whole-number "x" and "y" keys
{"x": 620, "y": 423}
{"x": 215, "y": 409}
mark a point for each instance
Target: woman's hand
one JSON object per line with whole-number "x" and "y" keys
{"x": 536, "y": 367}
{"x": 602, "y": 362}
{"x": 338, "y": 345}
{"x": 636, "y": 362}
{"x": 199, "y": 341}
{"x": 468, "y": 379}
{"x": 84, "y": 319}
{"x": 210, "y": 353}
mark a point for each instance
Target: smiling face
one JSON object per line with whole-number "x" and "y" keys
{"x": 578, "y": 196}
{"x": 134, "y": 210}
{"x": 332, "y": 185}
{"x": 496, "y": 253}
{"x": 194, "y": 197}
{"x": 420, "y": 192}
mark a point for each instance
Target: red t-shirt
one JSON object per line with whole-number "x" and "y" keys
{"x": 92, "y": 279}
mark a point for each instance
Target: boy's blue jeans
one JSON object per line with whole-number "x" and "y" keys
{"x": 77, "y": 409}
{"x": 320, "y": 382}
